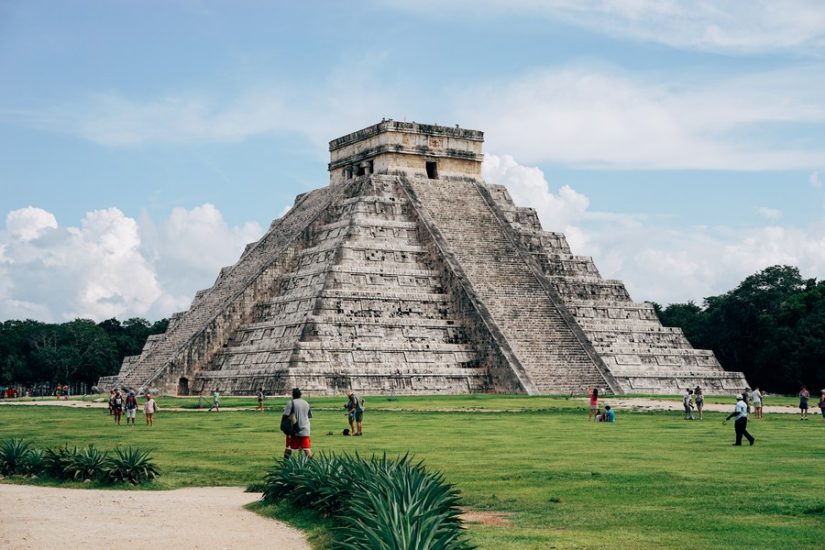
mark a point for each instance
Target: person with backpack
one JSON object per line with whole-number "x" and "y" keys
{"x": 298, "y": 412}
{"x": 356, "y": 413}
{"x": 131, "y": 408}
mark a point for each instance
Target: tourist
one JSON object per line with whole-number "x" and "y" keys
{"x": 699, "y": 400}
{"x": 822, "y": 404}
{"x": 300, "y": 413}
{"x": 609, "y": 414}
{"x": 740, "y": 426}
{"x": 131, "y": 408}
{"x": 149, "y": 409}
{"x": 599, "y": 416}
{"x": 746, "y": 395}
{"x": 261, "y": 399}
{"x": 357, "y": 413}
{"x": 349, "y": 406}
{"x": 593, "y": 393}
{"x": 804, "y": 394}
{"x": 216, "y": 401}
{"x": 65, "y": 391}
{"x": 111, "y": 402}
{"x": 687, "y": 403}
{"x": 117, "y": 406}
{"x": 757, "y": 402}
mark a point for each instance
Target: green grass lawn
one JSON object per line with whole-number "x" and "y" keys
{"x": 651, "y": 480}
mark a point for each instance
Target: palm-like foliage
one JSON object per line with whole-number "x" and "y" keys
{"x": 378, "y": 503}
{"x": 131, "y": 465}
{"x": 13, "y": 454}
{"x": 56, "y": 461}
{"x": 88, "y": 463}
{"x": 34, "y": 462}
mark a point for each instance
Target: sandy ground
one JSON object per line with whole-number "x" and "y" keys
{"x": 205, "y": 517}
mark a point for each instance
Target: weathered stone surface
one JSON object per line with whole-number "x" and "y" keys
{"x": 409, "y": 274}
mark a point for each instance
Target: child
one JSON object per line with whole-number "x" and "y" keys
{"x": 594, "y": 401}
{"x": 600, "y": 416}
{"x": 149, "y": 409}
{"x": 610, "y": 414}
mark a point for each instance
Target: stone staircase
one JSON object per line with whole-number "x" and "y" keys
{"x": 550, "y": 352}
{"x": 642, "y": 355}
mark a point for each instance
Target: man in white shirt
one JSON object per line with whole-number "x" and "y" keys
{"x": 741, "y": 423}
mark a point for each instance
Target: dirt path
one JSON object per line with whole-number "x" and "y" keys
{"x": 201, "y": 518}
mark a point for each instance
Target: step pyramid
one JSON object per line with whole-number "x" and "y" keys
{"x": 409, "y": 274}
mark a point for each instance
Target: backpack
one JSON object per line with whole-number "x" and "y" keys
{"x": 288, "y": 426}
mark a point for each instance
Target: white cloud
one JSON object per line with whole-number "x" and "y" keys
{"x": 815, "y": 179}
{"x": 29, "y": 223}
{"x": 769, "y": 213}
{"x": 602, "y": 118}
{"x": 109, "y": 265}
{"x": 741, "y": 26}
{"x": 657, "y": 262}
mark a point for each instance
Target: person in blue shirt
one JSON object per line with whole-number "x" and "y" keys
{"x": 609, "y": 414}
{"x": 741, "y": 423}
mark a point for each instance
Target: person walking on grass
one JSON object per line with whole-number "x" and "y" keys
{"x": 687, "y": 403}
{"x": 299, "y": 412}
{"x": 118, "y": 406}
{"x": 131, "y": 408}
{"x": 356, "y": 413}
{"x": 699, "y": 400}
{"x": 261, "y": 399}
{"x": 740, "y": 426}
{"x": 822, "y": 404}
{"x": 216, "y": 401}
{"x": 757, "y": 402}
{"x": 149, "y": 409}
{"x": 593, "y": 394}
{"x": 804, "y": 395}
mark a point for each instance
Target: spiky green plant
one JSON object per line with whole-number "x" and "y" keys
{"x": 34, "y": 462}
{"x": 131, "y": 465}
{"x": 13, "y": 454}
{"x": 378, "y": 503}
{"x": 88, "y": 463}
{"x": 56, "y": 461}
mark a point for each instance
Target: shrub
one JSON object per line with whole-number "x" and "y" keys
{"x": 88, "y": 463}
{"x": 34, "y": 462}
{"x": 377, "y": 503}
{"x": 13, "y": 454}
{"x": 56, "y": 461}
{"x": 131, "y": 465}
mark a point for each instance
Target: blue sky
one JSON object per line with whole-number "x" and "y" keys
{"x": 142, "y": 144}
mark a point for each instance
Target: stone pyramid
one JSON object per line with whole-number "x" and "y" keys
{"x": 409, "y": 274}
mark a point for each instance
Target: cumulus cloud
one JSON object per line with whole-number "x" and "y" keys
{"x": 656, "y": 262}
{"x": 741, "y": 26}
{"x": 769, "y": 213}
{"x": 603, "y": 118}
{"x": 110, "y": 265}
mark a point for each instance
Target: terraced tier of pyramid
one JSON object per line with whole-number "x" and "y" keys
{"x": 409, "y": 274}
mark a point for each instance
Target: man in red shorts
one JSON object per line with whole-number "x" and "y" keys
{"x": 300, "y": 413}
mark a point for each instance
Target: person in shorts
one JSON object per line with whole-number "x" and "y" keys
{"x": 593, "y": 394}
{"x": 687, "y": 403}
{"x": 149, "y": 409}
{"x": 804, "y": 395}
{"x": 131, "y": 408}
{"x": 699, "y": 401}
{"x": 356, "y": 413}
{"x": 300, "y": 413}
{"x": 822, "y": 404}
{"x": 261, "y": 399}
{"x": 756, "y": 397}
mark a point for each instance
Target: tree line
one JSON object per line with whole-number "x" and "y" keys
{"x": 32, "y": 352}
{"x": 771, "y": 327}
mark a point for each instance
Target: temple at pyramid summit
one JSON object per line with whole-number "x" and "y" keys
{"x": 409, "y": 274}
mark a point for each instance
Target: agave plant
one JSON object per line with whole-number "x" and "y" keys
{"x": 56, "y": 461}
{"x": 13, "y": 454}
{"x": 131, "y": 465}
{"x": 88, "y": 463}
{"x": 34, "y": 462}
{"x": 378, "y": 503}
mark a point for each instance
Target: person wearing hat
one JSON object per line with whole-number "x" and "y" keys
{"x": 741, "y": 424}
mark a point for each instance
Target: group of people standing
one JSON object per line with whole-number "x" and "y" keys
{"x": 120, "y": 403}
